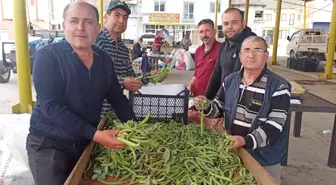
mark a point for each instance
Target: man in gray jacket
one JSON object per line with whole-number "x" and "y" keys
{"x": 254, "y": 102}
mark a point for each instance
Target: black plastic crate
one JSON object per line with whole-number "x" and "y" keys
{"x": 162, "y": 108}
{"x": 303, "y": 64}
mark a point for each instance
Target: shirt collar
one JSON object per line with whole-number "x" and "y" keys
{"x": 213, "y": 46}
{"x": 260, "y": 75}
{"x": 107, "y": 35}
{"x": 65, "y": 45}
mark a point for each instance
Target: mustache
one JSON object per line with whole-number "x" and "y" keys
{"x": 205, "y": 38}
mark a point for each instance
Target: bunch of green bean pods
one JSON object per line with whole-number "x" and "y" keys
{"x": 167, "y": 154}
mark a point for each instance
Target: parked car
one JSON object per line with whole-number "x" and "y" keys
{"x": 8, "y": 56}
{"x": 307, "y": 42}
{"x": 148, "y": 38}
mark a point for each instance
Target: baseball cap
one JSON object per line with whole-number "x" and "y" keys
{"x": 118, "y": 4}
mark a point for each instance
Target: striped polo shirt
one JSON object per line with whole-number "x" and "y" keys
{"x": 251, "y": 98}
{"x": 120, "y": 57}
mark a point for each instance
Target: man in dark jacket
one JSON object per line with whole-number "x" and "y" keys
{"x": 137, "y": 50}
{"x": 235, "y": 31}
{"x": 71, "y": 79}
{"x": 255, "y": 103}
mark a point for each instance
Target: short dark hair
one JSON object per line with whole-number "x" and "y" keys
{"x": 95, "y": 10}
{"x": 206, "y": 21}
{"x": 108, "y": 12}
{"x": 140, "y": 39}
{"x": 235, "y": 9}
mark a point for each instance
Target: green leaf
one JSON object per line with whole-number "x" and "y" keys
{"x": 106, "y": 169}
{"x": 148, "y": 181}
{"x": 166, "y": 155}
{"x": 97, "y": 171}
{"x": 102, "y": 176}
{"x": 94, "y": 177}
{"x": 154, "y": 181}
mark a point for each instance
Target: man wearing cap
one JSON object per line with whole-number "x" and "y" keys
{"x": 115, "y": 23}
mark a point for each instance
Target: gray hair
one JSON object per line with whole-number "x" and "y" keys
{"x": 256, "y": 39}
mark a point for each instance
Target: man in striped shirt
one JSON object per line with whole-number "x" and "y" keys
{"x": 257, "y": 115}
{"x": 115, "y": 23}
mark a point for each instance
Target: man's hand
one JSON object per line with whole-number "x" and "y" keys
{"x": 131, "y": 84}
{"x": 191, "y": 89}
{"x": 108, "y": 138}
{"x": 155, "y": 71}
{"x": 238, "y": 141}
{"x": 200, "y": 103}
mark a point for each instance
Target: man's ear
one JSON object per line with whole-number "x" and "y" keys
{"x": 98, "y": 29}
{"x": 244, "y": 24}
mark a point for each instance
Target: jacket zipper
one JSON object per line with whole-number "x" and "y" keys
{"x": 234, "y": 109}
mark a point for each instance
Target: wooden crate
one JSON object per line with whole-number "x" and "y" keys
{"x": 259, "y": 173}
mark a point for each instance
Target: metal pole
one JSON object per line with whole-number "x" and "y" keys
{"x": 101, "y": 12}
{"x": 216, "y": 17}
{"x": 305, "y": 16}
{"x": 138, "y": 18}
{"x": 22, "y": 58}
{"x": 247, "y": 6}
{"x": 229, "y": 3}
{"x": 331, "y": 47}
{"x": 276, "y": 33}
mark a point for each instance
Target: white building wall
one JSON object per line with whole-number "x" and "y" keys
{"x": 323, "y": 15}
{"x": 201, "y": 11}
{"x": 288, "y": 25}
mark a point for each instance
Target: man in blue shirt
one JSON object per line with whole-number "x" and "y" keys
{"x": 72, "y": 78}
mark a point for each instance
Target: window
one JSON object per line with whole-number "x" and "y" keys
{"x": 259, "y": 14}
{"x": 150, "y": 29}
{"x": 283, "y": 34}
{"x": 134, "y": 8}
{"x": 213, "y": 7}
{"x": 291, "y": 19}
{"x": 7, "y": 10}
{"x": 153, "y": 28}
{"x": 313, "y": 33}
{"x": 3, "y": 35}
{"x": 159, "y": 6}
{"x": 299, "y": 17}
{"x": 268, "y": 17}
{"x": 268, "y": 36}
{"x": 148, "y": 36}
{"x": 188, "y": 11}
{"x": 283, "y": 17}
{"x": 295, "y": 35}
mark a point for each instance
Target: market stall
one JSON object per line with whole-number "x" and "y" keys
{"x": 248, "y": 170}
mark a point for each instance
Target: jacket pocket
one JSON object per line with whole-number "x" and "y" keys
{"x": 226, "y": 109}
{"x": 34, "y": 143}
